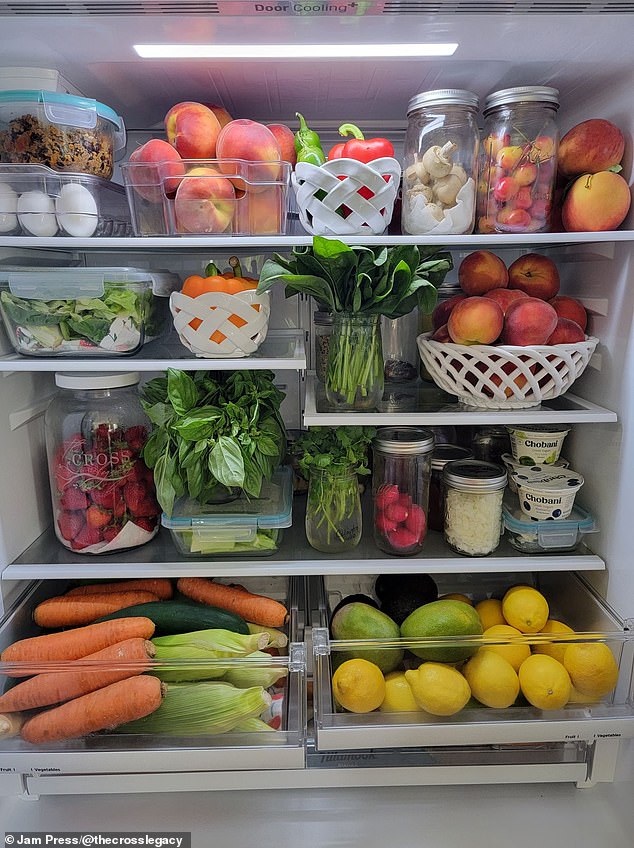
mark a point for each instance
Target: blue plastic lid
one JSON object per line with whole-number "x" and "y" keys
{"x": 518, "y": 522}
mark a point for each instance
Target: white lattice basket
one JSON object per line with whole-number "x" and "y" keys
{"x": 505, "y": 376}
{"x": 213, "y": 310}
{"x": 321, "y": 190}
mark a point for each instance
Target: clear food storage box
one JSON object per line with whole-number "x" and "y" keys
{"x": 65, "y": 132}
{"x": 83, "y": 311}
{"x": 244, "y": 527}
{"x": 547, "y": 536}
{"x": 37, "y": 201}
{"x": 207, "y": 197}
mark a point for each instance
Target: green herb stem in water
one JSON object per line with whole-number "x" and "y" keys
{"x": 354, "y": 372}
{"x": 333, "y": 510}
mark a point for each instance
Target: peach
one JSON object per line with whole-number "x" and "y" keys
{"x": 589, "y": 147}
{"x": 221, "y": 113}
{"x": 529, "y": 321}
{"x": 286, "y": 140}
{"x": 252, "y": 142}
{"x": 443, "y": 309}
{"x": 596, "y": 203}
{"x": 570, "y": 307}
{"x": 481, "y": 271}
{"x": 157, "y": 161}
{"x": 205, "y": 202}
{"x": 508, "y": 368}
{"x": 260, "y": 213}
{"x": 566, "y": 332}
{"x": 193, "y": 130}
{"x": 535, "y": 274}
{"x": 505, "y": 297}
{"x": 475, "y": 320}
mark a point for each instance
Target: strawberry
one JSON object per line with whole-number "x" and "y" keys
{"x": 73, "y": 498}
{"x": 134, "y": 493}
{"x": 86, "y": 537}
{"x": 119, "y": 505}
{"x": 97, "y": 517}
{"x": 94, "y": 475}
{"x": 70, "y": 524}
{"x": 110, "y": 533}
{"x": 136, "y": 437}
{"x": 106, "y": 496}
{"x": 146, "y": 508}
{"x": 145, "y": 523}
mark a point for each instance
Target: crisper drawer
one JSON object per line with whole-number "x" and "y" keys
{"x": 570, "y": 601}
{"x": 202, "y": 748}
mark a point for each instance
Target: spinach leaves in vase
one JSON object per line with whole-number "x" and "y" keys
{"x": 211, "y": 430}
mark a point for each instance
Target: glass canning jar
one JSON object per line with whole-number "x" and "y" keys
{"x": 440, "y": 162}
{"x": 473, "y": 493}
{"x": 103, "y": 493}
{"x": 400, "y": 488}
{"x": 518, "y": 160}
{"x": 442, "y": 454}
{"x": 323, "y": 322}
{"x": 425, "y": 325}
{"x": 333, "y": 510}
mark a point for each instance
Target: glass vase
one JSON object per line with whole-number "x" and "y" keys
{"x": 354, "y": 371}
{"x": 333, "y": 510}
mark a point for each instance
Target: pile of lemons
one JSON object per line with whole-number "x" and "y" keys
{"x": 546, "y": 675}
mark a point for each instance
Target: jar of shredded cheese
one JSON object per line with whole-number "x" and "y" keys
{"x": 473, "y": 492}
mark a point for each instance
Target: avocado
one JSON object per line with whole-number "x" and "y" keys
{"x": 401, "y": 594}
{"x": 350, "y": 599}
{"x": 359, "y": 621}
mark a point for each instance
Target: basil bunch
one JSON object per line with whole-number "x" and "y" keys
{"x": 212, "y": 428}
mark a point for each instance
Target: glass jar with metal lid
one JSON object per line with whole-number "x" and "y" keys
{"x": 442, "y": 454}
{"x": 518, "y": 160}
{"x": 425, "y": 325}
{"x": 400, "y": 488}
{"x": 473, "y": 493}
{"x": 440, "y": 163}
{"x": 323, "y": 322}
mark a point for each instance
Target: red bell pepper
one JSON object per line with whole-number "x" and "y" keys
{"x": 360, "y": 148}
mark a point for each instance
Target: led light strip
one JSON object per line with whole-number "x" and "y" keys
{"x": 293, "y": 51}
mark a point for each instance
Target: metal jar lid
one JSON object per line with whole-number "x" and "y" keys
{"x": 323, "y": 319}
{"x": 403, "y": 440}
{"x": 96, "y": 379}
{"x": 522, "y": 94}
{"x": 448, "y": 453}
{"x": 443, "y": 97}
{"x": 448, "y": 290}
{"x": 473, "y": 475}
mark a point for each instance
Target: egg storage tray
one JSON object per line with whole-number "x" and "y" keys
{"x": 37, "y": 201}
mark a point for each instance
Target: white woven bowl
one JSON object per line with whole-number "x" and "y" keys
{"x": 371, "y": 216}
{"x": 505, "y": 376}
{"x": 213, "y": 309}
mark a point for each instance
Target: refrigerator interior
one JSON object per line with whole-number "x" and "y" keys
{"x": 583, "y": 49}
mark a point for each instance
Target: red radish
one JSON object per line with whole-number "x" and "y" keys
{"x": 416, "y": 522}
{"x": 396, "y": 512}
{"x": 402, "y": 538}
{"x": 384, "y": 524}
{"x": 385, "y": 495}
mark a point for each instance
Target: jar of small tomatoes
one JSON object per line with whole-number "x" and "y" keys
{"x": 400, "y": 488}
{"x": 518, "y": 161}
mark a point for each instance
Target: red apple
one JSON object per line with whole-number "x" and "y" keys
{"x": 193, "y": 129}
{"x": 535, "y": 274}
{"x": 475, "y": 320}
{"x": 569, "y": 307}
{"x": 566, "y": 332}
{"x": 529, "y": 321}
{"x": 205, "y": 202}
{"x": 443, "y": 309}
{"x": 505, "y": 297}
{"x": 155, "y": 161}
{"x": 596, "y": 203}
{"x": 589, "y": 147}
{"x": 481, "y": 271}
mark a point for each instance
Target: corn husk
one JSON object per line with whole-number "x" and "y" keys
{"x": 245, "y": 675}
{"x": 186, "y": 656}
{"x": 277, "y": 639}
{"x": 254, "y": 725}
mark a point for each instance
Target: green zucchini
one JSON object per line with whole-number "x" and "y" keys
{"x": 173, "y": 617}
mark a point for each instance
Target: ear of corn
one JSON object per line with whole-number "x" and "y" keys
{"x": 245, "y": 675}
{"x": 277, "y": 639}
{"x": 183, "y": 656}
{"x": 253, "y": 725}
{"x": 194, "y": 709}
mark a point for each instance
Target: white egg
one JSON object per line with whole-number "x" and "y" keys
{"x": 36, "y": 213}
{"x": 8, "y": 208}
{"x": 76, "y": 211}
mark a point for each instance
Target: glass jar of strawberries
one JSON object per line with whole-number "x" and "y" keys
{"x": 400, "y": 488}
{"x": 518, "y": 160}
{"x": 103, "y": 493}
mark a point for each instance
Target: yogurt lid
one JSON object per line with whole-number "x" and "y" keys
{"x": 547, "y": 478}
{"x": 514, "y": 464}
{"x": 551, "y": 429}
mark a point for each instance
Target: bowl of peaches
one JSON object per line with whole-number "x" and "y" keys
{"x": 510, "y": 340}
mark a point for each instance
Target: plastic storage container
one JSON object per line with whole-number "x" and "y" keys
{"x": 400, "y": 488}
{"x": 518, "y": 160}
{"x": 245, "y": 527}
{"x": 440, "y": 163}
{"x": 103, "y": 494}
{"x": 36, "y": 201}
{"x": 473, "y": 493}
{"x": 84, "y": 311}
{"x": 548, "y": 536}
{"x": 65, "y": 132}
{"x": 248, "y": 198}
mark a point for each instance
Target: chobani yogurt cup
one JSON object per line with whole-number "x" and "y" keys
{"x": 537, "y": 445}
{"x": 546, "y": 493}
{"x": 514, "y": 464}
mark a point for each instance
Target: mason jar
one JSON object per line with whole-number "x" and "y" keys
{"x": 323, "y": 322}
{"x": 442, "y": 454}
{"x": 400, "y": 488}
{"x": 518, "y": 160}
{"x": 440, "y": 161}
{"x": 103, "y": 493}
{"x": 473, "y": 493}
{"x": 400, "y": 349}
{"x": 333, "y": 510}
{"x": 445, "y": 292}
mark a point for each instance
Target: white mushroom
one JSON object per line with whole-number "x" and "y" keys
{"x": 459, "y": 171}
{"x": 416, "y": 173}
{"x": 421, "y": 190}
{"x": 446, "y": 189}
{"x": 437, "y": 160}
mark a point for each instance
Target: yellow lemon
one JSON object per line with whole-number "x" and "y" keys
{"x": 438, "y": 689}
{"x": 492, "y": 679}
{"x": 525, "y": 608}
{"x": 592, "y": 668}
{"x": 398, "y": 694}
{"x": 358, "y": 686}
{"x": 456, "y": 596}
{"x": 544, "y": 682}
{"x": 514, "y": 654}
{"x": 553, "y": 649}
{"x": 516, "y": 588}
{"x": 576, "y": 697}
{"x": 490, "y": 612}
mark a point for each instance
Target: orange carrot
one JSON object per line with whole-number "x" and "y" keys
{"x": 73, "y": 644}
{"x": 258, "y": 609}
{"x": 54, "y": 688}
{"x": 159, "y": 586}
{"x": 104, "y": 709}
{"x": 75, "y": 610}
